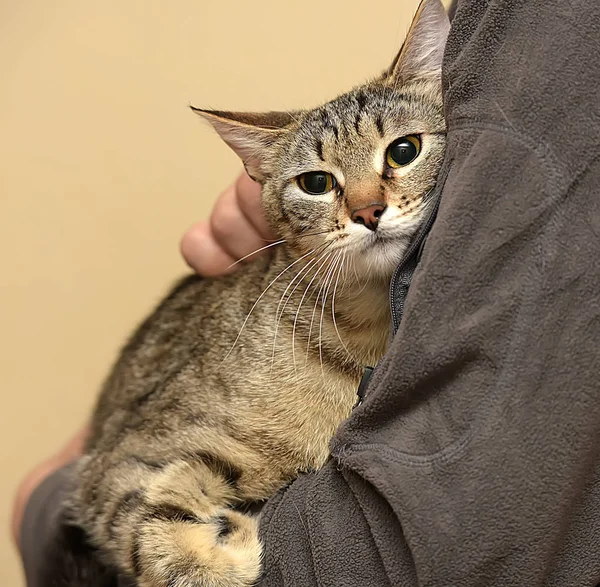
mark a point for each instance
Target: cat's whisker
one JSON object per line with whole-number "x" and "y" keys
{"x": 260, "y": 298}
{"x": 312, "y": 319}
{"x": 266, "y": 240}
{"x": 279, "y": 310}
{"x": 300, "y": 306}
{"x": 347, "y": 270}
{"x": 314, "y": 233}
{"x": 328, "y": 278}
{"x": 257, "y": 251}
{"x": 325, "y": 261}
{"x": 358, "y": 280}
{"x": 340, "y": 270}
{"x": 278, "y": 313}
{"x": 291, "y": 115}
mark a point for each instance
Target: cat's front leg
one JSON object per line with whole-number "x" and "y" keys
{"x": 177, "y": 529}
{"x": 180, "y": 551}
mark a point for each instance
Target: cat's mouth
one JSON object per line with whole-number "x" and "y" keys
{"x": 377, "y": 253}
{"x": 376, "y": 239}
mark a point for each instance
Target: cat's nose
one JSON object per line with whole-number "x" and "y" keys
{"x": 369, "y": 216}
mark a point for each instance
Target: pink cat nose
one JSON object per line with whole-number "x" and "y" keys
{"x": 369, "y": 216}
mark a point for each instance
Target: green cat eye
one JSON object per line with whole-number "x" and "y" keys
{"x": 317, "y": 182}
{"x": 403, "y": 151}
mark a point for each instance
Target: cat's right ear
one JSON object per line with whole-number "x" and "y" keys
{"x": 423, "y": 49}
{"x": 249, "y": 134}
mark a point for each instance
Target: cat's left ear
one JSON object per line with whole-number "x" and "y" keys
{"x": 423, "y": 49}
{"x": 249, "y": 134}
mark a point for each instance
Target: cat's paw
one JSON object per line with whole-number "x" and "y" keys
{"x": 224, "y": 552}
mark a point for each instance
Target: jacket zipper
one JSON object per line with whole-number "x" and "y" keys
{"x": 415, "y": 247}
{"x": 413, "y": 254}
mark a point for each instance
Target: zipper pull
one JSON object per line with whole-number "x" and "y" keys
{"x": 362, "y": 387}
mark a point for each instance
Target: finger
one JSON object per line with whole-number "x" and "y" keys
{"x": 202, "y": 252}
{"x": 232, "y": 230}
{"x": 249, "y": 200}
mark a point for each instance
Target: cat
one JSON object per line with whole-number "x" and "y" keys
{"x": 235, "y": 385}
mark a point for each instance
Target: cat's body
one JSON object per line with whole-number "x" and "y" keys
{"x": 249, "y": 404}
{"x": 242, "y": 426}
{"x": 236, "y": 385}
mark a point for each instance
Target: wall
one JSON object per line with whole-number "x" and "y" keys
{"x": 102, "y": 167}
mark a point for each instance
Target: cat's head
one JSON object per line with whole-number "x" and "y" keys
{"x": 351, "y": 177}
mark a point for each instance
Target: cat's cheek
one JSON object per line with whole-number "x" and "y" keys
{"x": 309, "y": 215}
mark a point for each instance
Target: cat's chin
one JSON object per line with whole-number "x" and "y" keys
{"x": 380, "y": 258}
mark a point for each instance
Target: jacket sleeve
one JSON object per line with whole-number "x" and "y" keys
{"x": 40, "y": 524}
{"x": 55, "y": 553}
{"x": 474, "y": 458}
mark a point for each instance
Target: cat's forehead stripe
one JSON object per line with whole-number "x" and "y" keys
{"x": 319, "y": 149}
{"x": 357, "y": 119}
{"x": 350, "y": 109}
{"x": 345, "y": 135}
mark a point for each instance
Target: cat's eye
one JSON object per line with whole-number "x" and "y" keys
{"x": 317, "y": 182}
{"x": 403, "y": 151}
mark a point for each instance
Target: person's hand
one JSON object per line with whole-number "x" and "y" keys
{"x": 69, "y": 453}
{"x": 237, "y": 228}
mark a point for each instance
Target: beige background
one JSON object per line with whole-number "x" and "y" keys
{"x": 102, "y": 167}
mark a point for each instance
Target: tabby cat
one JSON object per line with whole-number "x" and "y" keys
{"x": 234, "y": 386}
